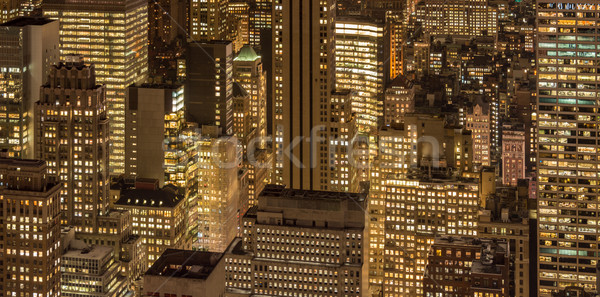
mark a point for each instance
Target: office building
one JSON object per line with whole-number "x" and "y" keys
{"x": 153, "y": 113}
{"x": 112, "y": 35}
{"x": 181, "y": 166}
{"x": 467, "y": 266}
{"x": 359, "y": 66}
{"x": 459, "y": 18}
{"x": 166, "y": 20}
{"x": 259, "y": 21}
{"x": 219, "y": 161}
{"x": 395, "y": 24}
{"x": 303, "y": 79}
{"x": 29, "y": 49}
{"x": 399, "y": 99}
{"x": 417, "y": 210}
{"x": 158, "y": 216}
{"x": 567, "y": 144}
{"x": 186, "y": 273}
{"x": 301, "y": 242}
{"x": 251, "y": 79}
{"x": 90, "y": 271}
{"x": 250, "y": 118}
{"x": 208, "y": 19}
{"x": 209, "y": 84}
{"x": 478, "y": 122}
{"x": 30, "y": 232}
{"x": 237, "y": 23}
{"x": 11, "y": 9}
{"x": 506, "y": 217}
{"x": 115, "y": 230}
{"x": 513, "y": 154}
{"x": 71, "y": 133}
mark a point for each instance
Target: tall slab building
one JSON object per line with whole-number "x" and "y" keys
{"x": 568, "y": 145}
{"x": 359, "y": 66}
{"x": 113, "y": 35}
{"x": 303, "y": 104}
{"x": 71, "y": 134}
{"x": 29, "y": 49}
{"x": 209, "y": 84}
{"x": 30, "y": 232}
{"x": 11, "y": 9}
{"x": 208, "y": 19}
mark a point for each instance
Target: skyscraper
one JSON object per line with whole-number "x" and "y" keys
{"x": 153, "y": 113}
{"x": 208, "y": 19}
{"x": 259, "y": 20}
{"x": 250, "y": 117}
{"x": 166, "y": 19}
{"x": 30, "y": 233}
{"x": 113, "y": 35}
{"x": 459, "y": 17}
{"x": 237, "y": 23}
{"x": 251, "y": 79}
{"x": 71, "y": 134}
{"x": 218, "y": 191}
{"x": 420, "y": 209}
{"x": 303, "y": 79}
{"x": 29, "y": 49}
{"x": 478, "y": 122}
{"x": 301, "y": 242}
{"x": 513, "y": 154}
{"x": 209, "y": 84}
{"x": 567, "y": 145}
{"x": 359, "y": 66}
{"x": 10, "y": 9}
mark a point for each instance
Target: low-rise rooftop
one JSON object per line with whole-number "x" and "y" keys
{"x": 185, "y": 264}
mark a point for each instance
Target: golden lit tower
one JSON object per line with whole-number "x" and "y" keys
{"x": 208, "y": 19}
{"x": 71, "y": 134}
{"x": 567, "y": 121}
{"x": 359, "y": 66}
{"x": 30, "y": 233}
{"x": 113, "y": 35}
{"x": 259, "y": 20}
{"x": 303, "y": 104}
{"x": 29, "y": 49}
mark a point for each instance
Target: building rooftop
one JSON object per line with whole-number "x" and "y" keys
{"x": 22, "y": 162}
{"x": 281, "y": 191}
{"x": 27, "y": 21}
{"x": 93, "y": 253}
{"x": 357, "y": 19}
{"x": 247, "y": 54}
{"x": 156, "y": 86}
{"x": 495, "y": 245}
{"x": 401, "y": 81}
{"x": 164, "y": 197}
{"x": 185, "y": 264}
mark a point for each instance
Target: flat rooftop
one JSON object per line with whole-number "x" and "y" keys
{"x": 185, "y": 264}
{"x": 280, "y": 191}
{"x": 27, "y": 21}
{"x": 93, "y": 253}
{"x": 22, "y": 162}
{"x": 149, "y": 198}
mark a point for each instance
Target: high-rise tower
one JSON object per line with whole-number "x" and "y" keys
{"x": 30, "y": 232}
{"x": 71, "y": 134}
{"x": 303, "y": 79}
{"x": 113, "y": 35}
{"x": 568, "y": 145}
{"x": 29, "y": 49}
